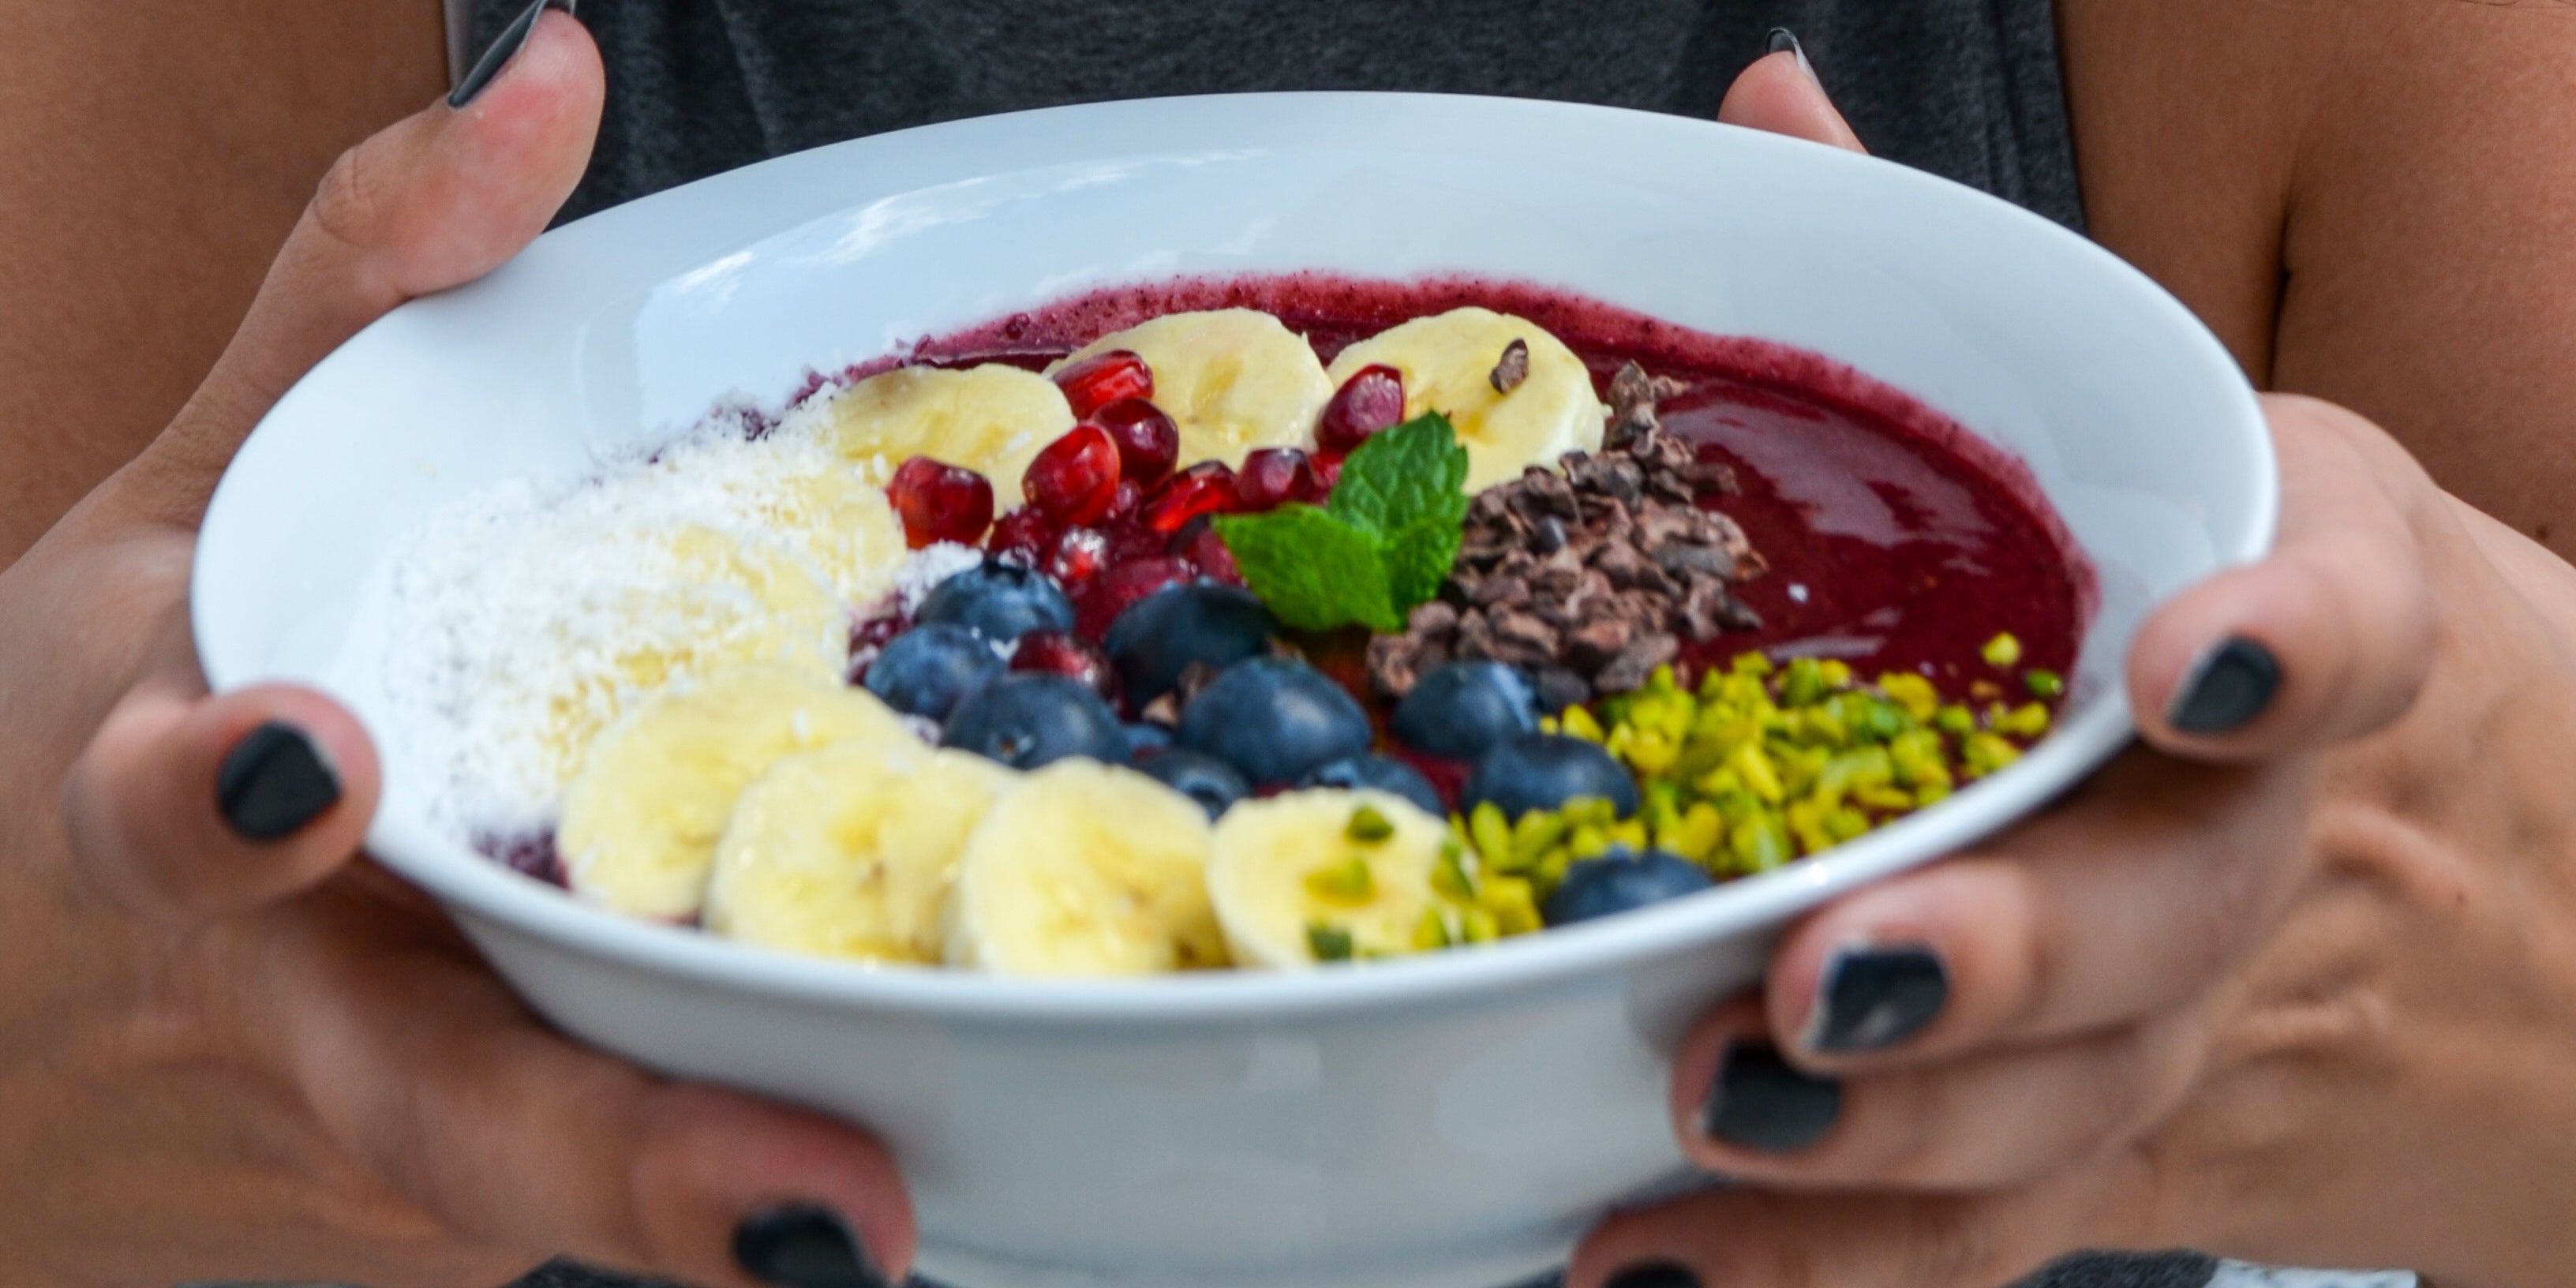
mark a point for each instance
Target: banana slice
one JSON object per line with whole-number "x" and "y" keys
{"x": 990, "y": 419}
{"x": 1329, "y": 875}
{"x": 639, "y": 606}
{"x": 641, "y": 820}
{"x": 1232, "y": 379}
{"x": 850, "y": 851}
{"x": 1448, "y": 363}
{"x": 1084, "y": 870}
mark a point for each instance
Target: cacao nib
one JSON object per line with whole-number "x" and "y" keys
{"x": 1513, "y": 368}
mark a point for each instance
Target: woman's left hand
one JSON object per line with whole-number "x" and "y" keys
{"x": 2296, "y": 982}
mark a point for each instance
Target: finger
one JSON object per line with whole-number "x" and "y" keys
{"x": 515, "y": 1138}
{"x": 1742, "y": 1238}
{"x": 2328, "y": 638}
{"x": 2149, "y": 887}
{"x": 1780, "y": 93}
{"x": 187, "y": 808}
{"x": 1988, "y": 1120}
{"x": 431, "y": 202}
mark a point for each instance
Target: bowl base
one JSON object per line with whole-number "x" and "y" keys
{"x": 1503, "y": 1262}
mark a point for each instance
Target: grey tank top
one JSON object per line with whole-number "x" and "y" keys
{"x": 1968, "y": 89}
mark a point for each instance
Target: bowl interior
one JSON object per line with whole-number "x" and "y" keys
{"x": 625, "y": 328}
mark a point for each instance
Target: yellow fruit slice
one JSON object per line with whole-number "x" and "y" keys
{"x": 641, "y": 820}
{"x": 1291, "y": 873}
{"x": 850, "y": 851}
{"x": 990, "y": 419}
{"x": 1448, "y": 362}
{"x": 1085, "y": 871}
{"x": 1232, "y": 379}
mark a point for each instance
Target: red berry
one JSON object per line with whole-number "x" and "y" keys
{"x": 1149, "y": 444}
{"x": 1060, "y": 654}
{"x": 1371, "y": 400}
{"x": 1204, "y": 488}
{"x": 1075, "y": 478}
{"x": 1123, "y": 502}
{"x": 940, "y": 502}
{"x": 1079, "y": 556}
{"x": 1102, "y": 379}
{"x": 1119, "y": 589}
{"x": 1328, "y": 472}
{"x": 1275, "y": 476}
{"x": 1026, "y": 533}
{"x": 1206, "y": 551}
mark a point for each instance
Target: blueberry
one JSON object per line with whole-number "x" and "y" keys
{"x": 1030, "y": 718}
{"x": 1200, "y": 621}
{"x": 927, "y": 670}
{"x": 1621, "y": 879}
{"x": 1383, "y": 773}
{"x": 1542, "y": 771}
{"x": 1463, "y": 709}
{"x": 1201, "y": 777}
{"x": 1275, "y": 719}
{"x": 1146, "y": 741}
{"x": 999, "y": 601}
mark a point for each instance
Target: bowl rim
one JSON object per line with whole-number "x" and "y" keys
{"x": 1561, "y": 957}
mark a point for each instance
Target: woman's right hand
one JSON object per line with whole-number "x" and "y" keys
{"x": 229, "y": 1049}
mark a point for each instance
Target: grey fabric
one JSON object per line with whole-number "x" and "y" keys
{"x": 1964, "y": 88}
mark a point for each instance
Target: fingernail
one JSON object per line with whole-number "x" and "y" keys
{"x": 273, "y": 782}
{"x": 800, "y": 1245}
{"x": 2227, "y": 688}
{"x": 1654, "y": 1274}
{"x": 1873, "y": 998}
{"x": 1785, "y": 41}
{"x": 512, "y": 39}
{"x": 1758, "y": 1101}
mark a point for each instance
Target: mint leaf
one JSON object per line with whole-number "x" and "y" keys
{"x": 1417, "y": 560}
{"x": 1314, "y": 570}
{"x": 1404, "y": 477}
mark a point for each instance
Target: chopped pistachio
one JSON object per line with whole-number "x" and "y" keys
{"x": 1579, "y": 723}
{"x": 2045, "y": 685}
{"x": 1451, "y": 876}
{"x": 1329, "y": 943}
{"x": 2003, "y": 652}
{"x": 1431, "y": 931}
{"x": 1347, "y": 884}
{"x": 1368, "y": 826}
{"x": 1512, "y": 904}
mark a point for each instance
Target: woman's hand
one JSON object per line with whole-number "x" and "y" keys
{"x": 2297, "y": 983}
{"x": 227, "y": 1051}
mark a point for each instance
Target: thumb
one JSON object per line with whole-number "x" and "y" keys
{"x": 186, "y": 808}
{"x": 433, "y": 201}
{"x": 2328, "y": 638}
{"x": 1781, "y": 94}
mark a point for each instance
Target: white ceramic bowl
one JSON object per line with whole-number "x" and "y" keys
{"x": 1450, "y": 1122}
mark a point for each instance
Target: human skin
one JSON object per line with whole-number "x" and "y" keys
{"x": 2358, "y": 978}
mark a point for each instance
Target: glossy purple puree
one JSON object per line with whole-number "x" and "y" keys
{"x": 1895, "y": 538}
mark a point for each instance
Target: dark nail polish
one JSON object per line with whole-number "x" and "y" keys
{"x": 1654, "y": 1274}
{"x": 799, "y": 1245}
{"x": 2227, "y": 688}
{"x": 1874, "y": 998}
{"x": 505, "y": 47}
{"x": 273, "y": 782}
{"x": 1784, "y": 41}
{"x": 1758, "y": 1101}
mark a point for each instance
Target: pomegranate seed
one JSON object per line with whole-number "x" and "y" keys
{"x": 1123, "y": 502}
{"x": 1149, "y": 444}
{"x": 1275, "y": 476}
{"x": 1025, "y": 533}
{"x": 1079, "y": 556}
{"x": 1133, "y": 540}
{"x": 940, "y": 502}
{"x": 1328, "y": 472}
{"x": 1075, "y": 478}
{"x": 1206, "y": 551}
{"x": 1059, "y": 654}
{"x": 1371, "y": 400}
{"x": 1104, "y": 378}
{"x": 1119, "y": 589}
{"x": 1204, "y": 488}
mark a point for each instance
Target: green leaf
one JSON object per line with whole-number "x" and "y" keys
{"x": 1404, "y": 477}
{"x": 1417, "y": 560}
{"x": 1314, "y": 570}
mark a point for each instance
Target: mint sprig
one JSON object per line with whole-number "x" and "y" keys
{"x": 1380, "y": 544}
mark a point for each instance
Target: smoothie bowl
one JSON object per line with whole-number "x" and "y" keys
{"x": 1229, "y": 674}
